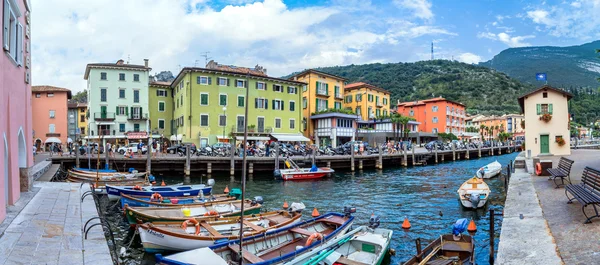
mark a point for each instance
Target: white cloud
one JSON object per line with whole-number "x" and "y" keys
{"x": 579, "y": 19}
{"x": 511, "y": 41}
{"x": 420, "y": 8}
{"x": 468, "y": 57}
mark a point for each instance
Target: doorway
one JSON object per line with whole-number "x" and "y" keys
{"x": 544, "y": 144}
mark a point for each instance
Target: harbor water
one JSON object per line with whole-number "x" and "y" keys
{"x": 425, "y": 195}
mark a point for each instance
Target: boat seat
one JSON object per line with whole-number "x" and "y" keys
{"x": 334, "y": 220}
{"x": 345, "y": 261}
{"x": 246, "y": 254}
{"x": 276, "y": 219}
{"x": 441, "y": 262}
{"x": 253, "y": 226}
{"x": 210, "y": 229}
{"x": 301, "y": 231}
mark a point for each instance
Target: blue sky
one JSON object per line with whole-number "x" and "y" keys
{"x": 287, "y": 36}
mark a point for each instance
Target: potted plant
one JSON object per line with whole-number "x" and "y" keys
{"x": 560, "y": 141}
{"x": 546, "y": 117}
{"x": 523, "y": 124}
{"x": 251, "y": 128}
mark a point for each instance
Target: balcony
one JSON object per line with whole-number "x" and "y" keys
{"x": 252, "y": 130}
{"x": 338, "y": 95}
{"x": 322, "y": 92}
{"x": 52, "y": 134}
{"x": 137, "y": 116}
{"x": 104, "y": 116}
{"x": 379, "y": 104}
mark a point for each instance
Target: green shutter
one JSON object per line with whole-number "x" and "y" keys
{"x": 327, "y": 90}
{"x": 550, "y": 108}
{"x": 126, "y": 111}
{"x": 317, "y": 85}
{"x": 117, "y": 110}
{"x": 317, "y": 104}
{"x": 539, "y": 109}
{"x": 326, "y": 104}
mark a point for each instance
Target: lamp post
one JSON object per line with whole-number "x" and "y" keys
{"x": 224, "y": 109}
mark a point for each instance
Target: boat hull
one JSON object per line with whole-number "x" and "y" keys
{"x": 474, "y": 193}
{"x": 134, "y": 215}
{"x": 114, "y": 192}
{"x": 188, "y": 200}
{"x": 490, "y": 170}
{"x": 304, "y": 173}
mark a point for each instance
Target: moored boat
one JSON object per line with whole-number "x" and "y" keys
{"x": 174, "y": 236}
{"x": 448, "y": 249}
{"x": 490, "y": 170}
{"x": 114, "y": 192}
{"x": 153, "y": 201}
{"x": 474, "y": 193}
{"x": 104, "y": 180}
{"x": 184, "y": 212}
{"x": 297, "y": 173}
{"x": 274, "y": 247}
{"x": 107, "y": 172}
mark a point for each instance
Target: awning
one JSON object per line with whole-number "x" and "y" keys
{"x": 137, "y": 135}
{"x": 253, "y": 138}
{"x": 53, "y": 140}
{"x": 105, "y": 123}
{"x": 176, "y": 137}
{"x": 221, "y": 137}
{"x": 290, "y": 137}
{"x": 69, "y": 140}
{"x": 173, "y": 138}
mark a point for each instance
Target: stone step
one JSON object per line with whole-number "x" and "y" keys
{"x": 520, "y": 162}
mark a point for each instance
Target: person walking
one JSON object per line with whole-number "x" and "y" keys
{"x": 164, "y": 150}
{"x": 60, "y": 150}
{"x": 139, "y": 148}
{"x": 154, "y": 148}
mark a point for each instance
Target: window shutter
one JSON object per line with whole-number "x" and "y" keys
{"x": 209, "y": 80}
{"x": 197, "y": 80}
{"x": 266, "y": 104}
{"x": 5, "y": 35}
{"x": 141, "y": 112}
{"x": 256, "y": 85}
{"x": 117, "y": 111}
{"x": 282, "y": 105}
{"x": 131, "y": 111}
{"x": 126, "y": 111}
{"x": 273, "y": 102}
{"x": 317, "y": 104}
{"x": 326, "y": 89}
{"x": 539, "y": 109}
{"x": 326, "y": 104}
{"x": 246, "y": 83}
{"x": 256, "y": 103}
{"x": 19, "y": 45}
{"x": 550, "y": 108}
{"x": 227, "y": 81}
{"x": 166, "y": 93}
{"x": 157, "y": 92}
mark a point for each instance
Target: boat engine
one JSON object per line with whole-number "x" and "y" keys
{"x": 151, "y": 178}
{"x": 296, "y": 207}
{"x": 349, "y": 210}
{"x": 474, "y": 198}
{"x": 258, "y": 199}
{"x": 374, "y": 221}
{"x": 210, "y": 182}
{"x": 277, "y": 174}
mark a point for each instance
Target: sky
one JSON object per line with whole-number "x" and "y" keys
{"x": 286, "y": 36}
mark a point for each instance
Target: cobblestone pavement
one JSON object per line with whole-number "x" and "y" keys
{"x": 577, "y": 242}
{"x": 49, "y": 229}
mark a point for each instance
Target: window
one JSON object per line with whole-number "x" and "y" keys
{"x": 277, "y": 123}
{"x": 49, "y": 95}
{"x": 292, "y": 90}
{"x": 161, "y": 93}
{"x": 136, "y": 127}
{"x": 292, "y": 124}
{"x": 12, "y": 33}
{"x": 204, "y": 120}
{"x": 377, "y": 100}
{"x": 222, "y": 120}
{"x": 348, "y": 99}
{"x": 121, "y": 93}
{"x": 82, "y": 130}
{"x": 261, "y": 103}
{"x": 411, "y": 113}
{"x": 435, "y": 130}
{"x": 304, "y": 88}
{"x": 544, "y": 108}
{"x": 358, "y": 97}
{"x": 545, "y": 95}
{"x": 221, "y": 81}
{"x": 322, "y": 88}
{"x": 337, "y": 93}
{"x": 434, "y": 108}
{"x": 121, "y": 76}
{"x": 434, "y": 120}
{"x": 180, "y": 85}
{"x": 136, "y": 112}
{"x": 240, "y": 83}
{"x": 161, "y": 124}
{"x": 204, "y": 99}
{"x": 377, "y": 112}
{"x": 260, "y": 85}
{"x": 241, "y": 101}
{"x": 121, "y": 110}
{"x": 136, "y": 96}
{"x": 122, "y": 127}
{"x": 370, "y": 98}
{"x": 292, "y": 105}
{"x": 136, "y": 77}
{"x": 277, "y": 88}
{"x": 321, "y": 104}
{"x": 161, "y": 106}
{"x": 52, "y": 113}
{"x": 240, "y": 123}
{"x": 358, "y": 111}
{"x": 38, "y": 95}
{"x": 304, "y": 103}
{"x": 222, "y": 100}
{"x": 51, "y": 128}
{"x": 385, "y": 113}
{"x": 344, "y": 123}
{"x": 337, "y": 105}
{"x": 103, "y": 76}
{"x": 385, "y": 101}
{"x": 202, "y": 80}
{"x": 102, "y": 94}
{"x": 81, "y": 118}
{"x": 277, "y": 104}
{"x": 369, "y": 112}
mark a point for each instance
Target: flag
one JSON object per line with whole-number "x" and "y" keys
{"x": 540, "y": 76}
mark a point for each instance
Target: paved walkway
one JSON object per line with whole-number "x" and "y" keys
{"x": 49, "y": 229}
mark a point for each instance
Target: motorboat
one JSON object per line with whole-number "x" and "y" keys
{"x": 474, "y": 193}
{"x": 490, "y": 170}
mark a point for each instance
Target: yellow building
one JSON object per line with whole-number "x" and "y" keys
{"x": 368, "y": 100}
{"x": 324, "y": 91}
{"x": 82, "y": 119}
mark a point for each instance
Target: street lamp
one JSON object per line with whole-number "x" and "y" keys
{"x": 224, "y": 109}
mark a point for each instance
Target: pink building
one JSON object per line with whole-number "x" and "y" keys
{"x": 16, "y": 154}
{"x": 49, "y": 104}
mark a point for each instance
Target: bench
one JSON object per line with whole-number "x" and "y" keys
{"x": 562, "y": 171}
{"x": 587, "y": 192}
{"x": 245, "y": 254}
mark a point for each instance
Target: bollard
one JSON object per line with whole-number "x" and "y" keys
{"x": 405, "y": 160}
{"x": 187, "y": 160}
{"x": 435, "y": 150}
{"x": 352, "y": 158}
{"x": 453, "y": 152}
{"x": 208, "y": 168}
{"x": 77, "y": 155}
{"x": 148, "y": 153}
{"x": 360, "y": 164}
{"x": 380, "y": 157}
{"x": 467, "y": 153}
{"x": 491, "y": 236}
{"x": 479, "y": 150}
{"x": 251, "y": 168}
{"x": 443, "y": 157}
{"x": 314, "y": 154}
{"x": 329, "y": 164}
{"x": 232, "y": 161}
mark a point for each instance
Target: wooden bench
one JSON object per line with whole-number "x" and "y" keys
{"x": 562, "y": 171}
{"x": 587, "y": 192}
{"x": 301, "y": 231}
{"x": 245, "y": 254}
{"x": 210, "y": 229}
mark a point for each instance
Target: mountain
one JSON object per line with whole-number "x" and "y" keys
{"x": 573, "y": 66}
{"x": 481, "y": 89}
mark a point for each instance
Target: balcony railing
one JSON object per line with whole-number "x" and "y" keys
{"x": 253, "y": 129}
{"x": 322, "y": 92}
{"x": 338, "y": 95}
{"x": 379, "y": 104}
{"x": 52, "y": 134}
{"x": 104, "y": 116}
{"x": 137, "y": 116}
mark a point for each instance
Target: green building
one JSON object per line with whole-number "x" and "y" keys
{"x": 160, "y": 106}
{"x": 209, "y": 105}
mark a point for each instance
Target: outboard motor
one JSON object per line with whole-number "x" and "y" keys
{"x": 277, "y": 174}
{"x": 474, "y": 198}
{"x": 210, "y": 182}
{"x": 258, "y": 199}
{"x": 374, "y": 221}
{"x": 151, "y": 178}
{"x": 348, "y": 211}
{"x": 296, "y": 207}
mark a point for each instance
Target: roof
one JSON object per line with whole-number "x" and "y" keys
{"x": 333, "y": 115}
{"x": 186, "y": 70}
{"x": 307, "y": 71}
{"x": 117, "y": 65}
{"x": 160, "y": 84}
{"x": 258, "y": 70}
{"x": 425, "y": 101}
{"x": 360, "y": 85}
{"x": 51, "y": 89}
{"x": 543, "y": 88}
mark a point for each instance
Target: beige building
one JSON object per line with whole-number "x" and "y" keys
{"x": 512, "y": 124}
{"x": 546, "y": 121}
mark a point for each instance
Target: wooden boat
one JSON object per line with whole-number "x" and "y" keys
{"x": 103, "y": 180}
{"x": 297, "y": 173}
{"x": 274, "y": 247}
{"x": 142, "y": 201}
{"x": 170, "y": 236}
{"x": 490, "y": 170}
{"x": 474, "y": 193}
{"x": 107, "y": 172}
{"x": 182, "y": 213}
{"x": 447, "y": 250}
{"x": 81, "y": 169}
{"x": 114, "y": 192}
{"x": 361, "y": 246}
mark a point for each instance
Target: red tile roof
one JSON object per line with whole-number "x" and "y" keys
{"x": 37, "y": 89}
{"x": 359, "y": 85}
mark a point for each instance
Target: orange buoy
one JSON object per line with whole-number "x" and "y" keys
{"x": 163, "y": 183}
{"x": 406, "y": 223}
{"x": 315, "y": 212}
{"x": 153, "y": 182}
{"x": 538, "y": 169}
{"x": 472, "y": 227}
{"x": 285, "y": 205}
{"x": 226, "y": 189}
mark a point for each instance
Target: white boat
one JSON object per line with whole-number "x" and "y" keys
{"x": 490, "y": 170}
{"x": 294, "y": 172}
{"x": 474, "y": 193}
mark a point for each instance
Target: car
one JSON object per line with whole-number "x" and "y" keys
{"x": 173, "y": 148}
{"x": 181, "y": 148}
{"x": 133, "y": 147}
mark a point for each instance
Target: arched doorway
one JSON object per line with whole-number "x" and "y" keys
{"x": 38, "y": 145}
{"x": 22, "y": 149}
{"x": 6, "y": 175}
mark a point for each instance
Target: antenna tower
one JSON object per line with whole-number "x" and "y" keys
{"x": 206, "y": 58}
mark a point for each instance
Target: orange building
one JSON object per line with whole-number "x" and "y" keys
{"x": 494, "y": 125}
{"x": 436, "y": 115}
{"x": 49, "y": 108}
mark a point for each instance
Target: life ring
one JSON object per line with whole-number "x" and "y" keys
{"x": 211, "y": 212}
{"x": 137, "y": 187}
{"x": 538, "y": 169}
{"x": 312, "y": 237}
{"x": 156, "y": 196}
{"x": 192, "y": 221}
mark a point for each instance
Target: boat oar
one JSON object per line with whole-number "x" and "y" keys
{"x": 326, "y": 252}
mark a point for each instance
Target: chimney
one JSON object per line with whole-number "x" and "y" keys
{"x": 146, "y": 63}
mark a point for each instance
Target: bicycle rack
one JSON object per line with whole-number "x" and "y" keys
{"x": 106, "y": 228}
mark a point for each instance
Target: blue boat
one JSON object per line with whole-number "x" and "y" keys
{"x": 291, "y": 242}
{"x": 137, "y": 201}
{"x": 114, "y": 192}
{"x": 95, "y": 170}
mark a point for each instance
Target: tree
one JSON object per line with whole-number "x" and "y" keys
{"x": 395, "y": 119}
{"x": 80, "y": 97}
{"x": 483, "y": 129}
{"x": 598, "y": 51}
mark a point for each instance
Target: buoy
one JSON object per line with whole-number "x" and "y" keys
{"x": 315, "y": 212}
{"x": 285, "y": 205}
{"x": 472, "y": 227}
{"x": 226, "y": 189}
{"x": 153, "y": 182}
{"x": 163, "y": 183}
{"x": 406, "y": 223}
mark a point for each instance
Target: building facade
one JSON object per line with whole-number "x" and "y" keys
{"x": 547, "y": 121}
{"x": 72, "y": 115}
{"x": 82, "y": 122}
{"x": 513, "y": 125}
{"x": 51, "y": 123}
{"x": 16, "y": 133}
{"x": 493, "y": 126}
{"x": 117, "y": 101}
{"x": 368, "y": 101}
{"x": 210, "y": 103}
{"x": 160, "y": 105}
{"x": 322, "y": 92}
{"x": 436, "y": 115}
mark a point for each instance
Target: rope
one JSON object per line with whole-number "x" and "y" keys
{"x": 133, "y": 237}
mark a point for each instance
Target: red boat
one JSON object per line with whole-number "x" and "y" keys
{"x": 296, "y": 173}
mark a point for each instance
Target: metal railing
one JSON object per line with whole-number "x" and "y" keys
{"x": 253, "y": 129}
{"x": 137, "y": 116}
{"x": 104, "y": 116}
{"x": 322, "y": 92}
